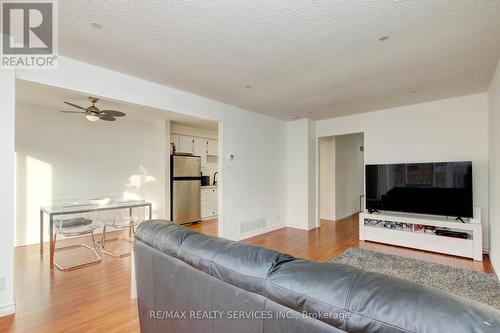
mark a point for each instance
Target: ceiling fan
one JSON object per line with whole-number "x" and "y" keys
{"x": 93, "y": 113}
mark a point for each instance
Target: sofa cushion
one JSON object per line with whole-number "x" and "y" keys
{"x": 199, "y": 251}
{"x": 247, "y": 266}
{"x": 242, "y": 265}
{"x": 313, "y": 288}
{"x": 163, "y": 235}
{"x": 373, "y": 302}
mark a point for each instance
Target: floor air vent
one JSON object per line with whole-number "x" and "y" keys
{"x": 252, "y": 225}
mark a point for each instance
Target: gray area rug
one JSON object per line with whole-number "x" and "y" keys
{"x": 477, "y": 286}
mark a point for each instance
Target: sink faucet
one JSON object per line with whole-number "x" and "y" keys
{"x": 215, "y": 178}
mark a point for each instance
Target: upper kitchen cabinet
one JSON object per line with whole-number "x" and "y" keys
{"x": 212, "y": 147}
{"x": 186, "y": 144}
{"x": 200, "y": 147}
{"x": 174, "y": 138}
{"x": 194, "y": 145}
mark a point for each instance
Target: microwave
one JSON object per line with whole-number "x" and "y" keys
{"x": 205, "y": 180}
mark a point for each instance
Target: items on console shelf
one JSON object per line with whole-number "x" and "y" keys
{"x": 388, "y": 224}
{"x": 449, "y": 233}
{"x": 425, "y": 228}
{"x": 421, "y": 233}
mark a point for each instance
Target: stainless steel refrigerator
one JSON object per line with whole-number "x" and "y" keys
{"x": 185, "y": 182}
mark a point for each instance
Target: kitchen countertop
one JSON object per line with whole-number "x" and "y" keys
{"x": 209, "y": 186}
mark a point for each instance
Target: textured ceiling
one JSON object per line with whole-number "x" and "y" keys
{"x": 316, "y": 59}
{"x": 51, "y": 99}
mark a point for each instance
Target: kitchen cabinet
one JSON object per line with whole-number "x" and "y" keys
{"x": 174, "y": 138}
{"x": 186, "y": 144}
{"x": 209, "y": 199}
{"x": 212, "y": 147}
{"x": 200, "y": 148}
{"x": 194, "y": 145}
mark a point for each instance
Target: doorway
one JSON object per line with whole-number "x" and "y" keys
{"x": 200, "y": 141}
{"x": 341, "y": 176}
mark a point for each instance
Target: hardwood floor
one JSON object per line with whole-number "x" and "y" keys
{"x": 209, "y": 227}
{"x": 91, "y": 299}
{"x": 97, "y": 298}
{"x": 334, "y": 237}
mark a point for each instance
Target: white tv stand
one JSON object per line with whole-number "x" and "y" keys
{"x": 403, "y": 230}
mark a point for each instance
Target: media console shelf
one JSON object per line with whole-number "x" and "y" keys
{"x": 417, "y": 231}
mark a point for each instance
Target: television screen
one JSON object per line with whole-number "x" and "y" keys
{"x": 443, "y": 188}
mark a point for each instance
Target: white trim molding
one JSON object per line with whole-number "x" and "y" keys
{"x": 7, "y": 309}
{"x": 496, "y": 271}
{"x": 301, "y": 227}
{"x": 256, "y": 232}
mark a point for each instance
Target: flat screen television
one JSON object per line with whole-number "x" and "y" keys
{"x": 443, "y": 188}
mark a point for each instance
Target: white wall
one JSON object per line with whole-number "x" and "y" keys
{"x": 312, "y": 142}
{"x": 7, "y": 192}
{"x": 60, "y": 157}
{"x": 253, "y": 184}
{"x": 349, "y": 174}
{"x": 446, "y": 130}
{"x": 326, "y": 185}
{"x": 494, "y": 154}
{"x": 301, "y": 174}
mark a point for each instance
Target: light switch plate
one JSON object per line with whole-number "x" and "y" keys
{"x": 2, "y": 282}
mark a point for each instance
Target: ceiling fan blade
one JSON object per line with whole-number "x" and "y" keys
{"x": 107, "y": 118}
{"x": 113, "y": 113}
{"x": 73, "y": 112}
{"x": 75, "y": 106}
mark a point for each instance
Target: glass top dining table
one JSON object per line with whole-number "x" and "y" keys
{"x": 81, "y": 206}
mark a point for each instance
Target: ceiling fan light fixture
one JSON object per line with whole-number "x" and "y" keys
{"x": 92, "y": 117}
{"x": 92, "y": 112}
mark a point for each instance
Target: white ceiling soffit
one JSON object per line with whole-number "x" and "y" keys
{"x": 51, "y": 99}
{"x": 317, "y": 59}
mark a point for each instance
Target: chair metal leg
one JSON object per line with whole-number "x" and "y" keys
{"x": 103, "y": 237}
{"x": 88, "y": 263}
{"x": 102, "y": 244}
{"x": 93, "y": 239}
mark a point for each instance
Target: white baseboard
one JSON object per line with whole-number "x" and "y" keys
{"x": 7, "y": 309}
{"x": 300, "y": 227}
{"x": 346, "y": 216}
{"x": 257, "y": 232}
{"x": 496, "y": 269}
